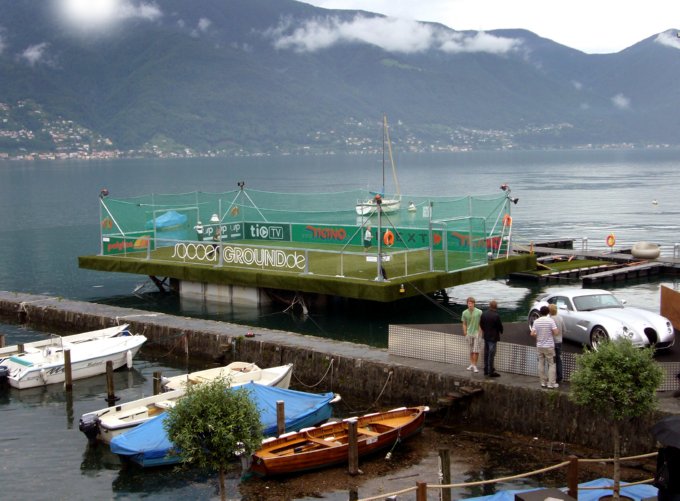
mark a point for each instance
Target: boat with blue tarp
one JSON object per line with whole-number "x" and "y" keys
{"x": 149, "y": 445}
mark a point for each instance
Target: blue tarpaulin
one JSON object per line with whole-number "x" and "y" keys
{"x": 148, "y": 444}
{"x": 636, "y": 492}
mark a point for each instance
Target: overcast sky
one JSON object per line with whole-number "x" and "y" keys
{"x": 592, "y": 26}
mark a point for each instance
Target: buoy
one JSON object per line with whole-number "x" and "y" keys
{"x": 611, "y": 240}
{"x": 388, "y": 238}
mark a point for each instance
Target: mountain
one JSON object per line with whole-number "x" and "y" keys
{"x": 263, "y": 76}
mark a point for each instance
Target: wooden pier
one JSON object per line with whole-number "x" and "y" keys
{"x": 615, "y": 267}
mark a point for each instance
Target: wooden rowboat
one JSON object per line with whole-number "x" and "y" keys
{"x": 328, "y": 444}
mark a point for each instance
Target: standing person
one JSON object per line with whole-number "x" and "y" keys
{"x": 559, "y": 322}
{"x": 368, "y": 236}
{"x": 492, "y": 328}
{"x": 543, "y": 330}
{"x": 470, "y": 319}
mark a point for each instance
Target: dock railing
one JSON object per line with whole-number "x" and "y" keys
{"x": 572, "y": 474}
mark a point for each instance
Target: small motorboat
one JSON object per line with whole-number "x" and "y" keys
{"x": 43, "y": 365}
{"x": 328, "y": 444}
{"x": 109, "y": 422}
{"x": 237, "y": 373}
{"x": 149, "y": 444}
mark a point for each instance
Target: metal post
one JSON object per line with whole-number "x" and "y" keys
{"x": 431, "y": 239}
{"x": 676, "y": 251}
{"x": 584, "y": 244}
{"x": 379, "y": 276}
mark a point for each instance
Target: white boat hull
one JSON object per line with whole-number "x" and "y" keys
{"x": 369, "y": 207}
{"x": 237, "y": 373}
{"x": 88, "y": 358}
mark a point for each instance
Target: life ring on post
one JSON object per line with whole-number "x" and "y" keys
{"x": 388, "y": 238}
{"x": 611, "y": 240}
{"x": 507, "y": 220}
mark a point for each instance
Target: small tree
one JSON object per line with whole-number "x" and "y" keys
{"x": 211, "y": 424}
{"x": 619, "y": 381}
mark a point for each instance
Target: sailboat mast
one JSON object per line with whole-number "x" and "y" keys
{"x": 383, "y": 153}
{"x": 389, "y": 150}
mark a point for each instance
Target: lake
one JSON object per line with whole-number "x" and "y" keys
{"x": 50, "y": 217}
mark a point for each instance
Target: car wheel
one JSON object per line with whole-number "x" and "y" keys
{"x": 598, "y": 336}
{"x": 532, "y": 317}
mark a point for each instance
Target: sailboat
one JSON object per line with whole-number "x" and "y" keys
{"x": 370, "y": 206}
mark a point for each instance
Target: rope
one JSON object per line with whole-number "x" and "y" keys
{"x": 372, "y": 406}
{"x": 523, "y": 475}
{"x": 318, "y": 382}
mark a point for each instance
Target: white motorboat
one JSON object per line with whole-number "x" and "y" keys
{"x": 387, "y": 204}
{"x": 43, "y": 365}
{"x": 8, "y": 351}
{"x": 237, "y": 373}
{"x": 109, "y": 422}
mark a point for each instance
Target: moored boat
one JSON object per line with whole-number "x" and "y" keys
{"x": 109, "y": 422}
{"x": 328, "y": 444}
{"x": 40, "y": 366}
{"x": 149, "y": 444}
{"x": 237, "y": 373}
{"x": 16, "y": 349}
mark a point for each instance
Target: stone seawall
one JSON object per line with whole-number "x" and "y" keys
{"x": 363, "y": 375}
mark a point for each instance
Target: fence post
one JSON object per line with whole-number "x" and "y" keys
{"x": 353, "y": 452}
{"x": 156, "y": 382}
{"x": 445, "y": 473}
{"x": 68, "y": 375}
{"x": 421, "y": 491}
{"x": 572, "y": 477}
{"x": 280, "y": 417}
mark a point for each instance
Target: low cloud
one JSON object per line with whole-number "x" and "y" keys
{"x": 90, "y": 15}
{"x": 388, "y": 33}
{"x": 669, "y": 38}
{"x": 621, "y": 102}
{"x": 201, "y": 27}
{"x": 3, "y": 44}
{"x": 35, "y": 54}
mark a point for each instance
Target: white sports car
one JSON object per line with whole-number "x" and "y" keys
{"x": 592, "y": 316}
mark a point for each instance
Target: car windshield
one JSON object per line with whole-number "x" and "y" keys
{"x": 596, "y": 302}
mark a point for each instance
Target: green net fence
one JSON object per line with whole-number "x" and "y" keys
{"x": 451, "y": 232}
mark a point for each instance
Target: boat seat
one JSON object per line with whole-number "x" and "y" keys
{"x": 165, "y": 404}
{"x": 321, "y": 441}
{"x": 366, "y": 431}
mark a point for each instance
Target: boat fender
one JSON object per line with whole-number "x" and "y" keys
{"x": 611, "y": 240}
{"x": 128, "y": 359}
{"x": 89, "y": 425}
{"x": 388, "y": 238}
{"x": 43, "y": 376}
{"x": 4, "y": 374}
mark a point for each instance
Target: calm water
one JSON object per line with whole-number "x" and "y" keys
{"x": 50, "y": 216}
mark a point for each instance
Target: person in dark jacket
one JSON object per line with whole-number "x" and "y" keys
{"x": 492, "y": 328}
{"x": 667, "y": 478}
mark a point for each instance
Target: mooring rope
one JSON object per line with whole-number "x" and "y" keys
{"x": 330, "y": 366}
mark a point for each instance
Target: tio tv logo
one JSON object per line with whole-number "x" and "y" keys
{"x": 266, "y": 232}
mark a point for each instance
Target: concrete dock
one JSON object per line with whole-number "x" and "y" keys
{"x": 360, "y": 373}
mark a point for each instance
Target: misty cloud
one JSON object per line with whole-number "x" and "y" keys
{"x": 89, "y": 15}
{"x": 3, "y": 44}
{"x": 668, "y": 38}
{"x": 621, "y": 102}
{"x": 204, "y": 24}
{"x": 35, "y": 54}
{"x": 390, "y": 34}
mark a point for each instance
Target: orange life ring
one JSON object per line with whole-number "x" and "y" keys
{"x": 611, "y": 240}
{"x": 507, "y": 220}
{"x": 388, "y": 238}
